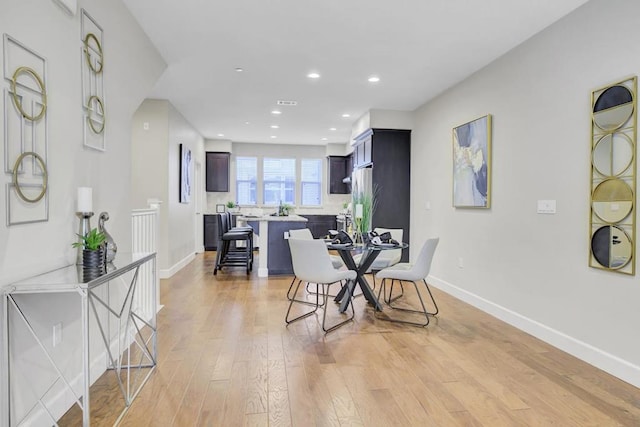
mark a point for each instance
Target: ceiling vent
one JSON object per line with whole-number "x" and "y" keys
{"x": 287, "y": 103}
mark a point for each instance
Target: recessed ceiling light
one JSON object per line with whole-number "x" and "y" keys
{"x": 346, "y": 115}
{"x": 221, "y": 134}
{"x": 276, "y": 112}
{"x": 333, "y": 129}
{"x": 373, "y": 79}
{"x": 313, "y": 75}
{"x": 273, "y": 137}
{"x": 274, "y": 126}
{"x": 324, "y": 139}
{"x": 239, "y": 70}
{"x": 247, "y": 123}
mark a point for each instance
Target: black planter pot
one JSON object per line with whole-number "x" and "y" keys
{"x": 93, "y": 264}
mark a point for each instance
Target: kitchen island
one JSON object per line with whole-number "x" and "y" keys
{"x": 274, "y": 258}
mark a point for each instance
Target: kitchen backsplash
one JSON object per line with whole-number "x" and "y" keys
{"x": 332, "y": 204}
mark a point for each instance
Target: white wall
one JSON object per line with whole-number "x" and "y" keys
{"x": 531, "y": 269}
{"x": 181, "y": 215}
{"x": 132, "y": 66}
{"x": 150, "y": 164}
{"x": 156, "y": 160}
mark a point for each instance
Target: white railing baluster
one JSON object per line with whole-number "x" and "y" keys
{"x": 144, "y": 230}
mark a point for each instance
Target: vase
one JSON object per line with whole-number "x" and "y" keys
{"x": 93, "y": 263}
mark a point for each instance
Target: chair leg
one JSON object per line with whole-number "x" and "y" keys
{"x": 432, "y": 299}
{"x": 423, "y": 311}
{"x": 290, "y": 297}
{"x": 302, "y": 316}
{"x": 218, "y": 258}
{"x": 324, "y": 316}
{"x": 316, "y": 291}
{"x": 391, "y": 299}
{"x": 247, "y": 252}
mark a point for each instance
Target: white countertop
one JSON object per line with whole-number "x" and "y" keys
{"x": 288, "y": 218}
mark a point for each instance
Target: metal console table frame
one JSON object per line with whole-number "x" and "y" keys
{"x": 69, "y": 280}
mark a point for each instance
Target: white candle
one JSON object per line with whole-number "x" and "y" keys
{"x": 85, "y": 199}
{"x": 358, "y": 210}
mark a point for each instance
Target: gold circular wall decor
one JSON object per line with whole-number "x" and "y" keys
{"x": 87, "y": 39}
{"x": 612, "y": 200}
{"x": 612, "y": 154}
{"x": 98, "y": 102}
{"x": 45, "y": 176}
{"x": 611, "y": 247}
{"x": 613, "y": 108}
{"x": 14, "y": 83}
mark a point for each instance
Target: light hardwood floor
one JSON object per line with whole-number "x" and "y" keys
{"x": 226, "y": 358}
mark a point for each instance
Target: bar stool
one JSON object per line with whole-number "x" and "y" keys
{"x": 233, "y": 257}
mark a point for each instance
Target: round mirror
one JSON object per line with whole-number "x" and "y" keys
{"x": 611, "y": 247}
{"x": 613, "y": 154}
{"x": 612, "y": 200}
{"x": 613, "y": 108}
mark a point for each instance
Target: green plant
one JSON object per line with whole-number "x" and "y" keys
{"x": 231, "y": 204}
{"x": 369, "y": 204}
{"x": 285, "y": 209}
{"x": 92, "y": 241}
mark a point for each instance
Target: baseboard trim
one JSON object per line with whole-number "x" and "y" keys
{"x": 612, "y": 364}
{"x": 165, "y": 274}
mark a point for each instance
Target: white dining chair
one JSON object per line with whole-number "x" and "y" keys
{"x": 409, "y": 272}
{"x": 312, "y": 264}
{"x": 305, "y": 233}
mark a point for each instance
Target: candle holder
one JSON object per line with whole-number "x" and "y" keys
{"x": 83, "y": 230}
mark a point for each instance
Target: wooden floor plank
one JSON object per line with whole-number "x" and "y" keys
{"x": 227, "y": 358}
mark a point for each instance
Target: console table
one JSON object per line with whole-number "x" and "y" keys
{"x": 110, "y": 300}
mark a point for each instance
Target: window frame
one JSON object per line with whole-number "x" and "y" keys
{"x": 301, "y": 182}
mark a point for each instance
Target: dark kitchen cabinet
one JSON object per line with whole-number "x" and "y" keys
{"x": 388, "y": 153}
{"x": 218, "y": 171}
{"x": 210, "y": 233}
{"x": 319, "y": 225}
{"x": 338, "y": 170}
{"x": 362, "y": 152}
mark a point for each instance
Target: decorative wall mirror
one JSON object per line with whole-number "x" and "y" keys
{"x": 613, "y": 177}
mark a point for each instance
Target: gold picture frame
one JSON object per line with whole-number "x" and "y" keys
{"x": 612, "y": 230}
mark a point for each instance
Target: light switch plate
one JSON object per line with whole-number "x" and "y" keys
{"x": 546, "y": 206}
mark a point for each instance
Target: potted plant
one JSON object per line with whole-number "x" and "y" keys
{"x": 232, "y": 206}
{"x": 364, "y": 205}
{"x": 93, "y": 254}
{"x": 284, "y": 209}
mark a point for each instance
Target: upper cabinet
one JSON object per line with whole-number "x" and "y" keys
{"x": 339, "y": 169}
{"x": 362, "y": 152}
{"x": 218, "y": 171}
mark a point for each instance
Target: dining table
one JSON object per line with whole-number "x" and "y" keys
{"x": 370, "y": 252}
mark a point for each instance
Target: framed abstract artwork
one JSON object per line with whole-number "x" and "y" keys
{"x": 472, "y": 164}
{"x": 185, "y": 174}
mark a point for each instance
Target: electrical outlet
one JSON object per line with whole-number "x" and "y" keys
{"x": 460, "y": 263}
{"x": 286, "y": 235}
{"x": 57, "y": 334}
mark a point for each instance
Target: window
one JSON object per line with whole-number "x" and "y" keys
{"x": 279, "y": 181}
{"x": 311, "y": 182}
{"x": 246, "y": 179}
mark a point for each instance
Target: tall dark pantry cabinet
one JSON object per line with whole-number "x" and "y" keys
{"x": 388, "y": 153}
